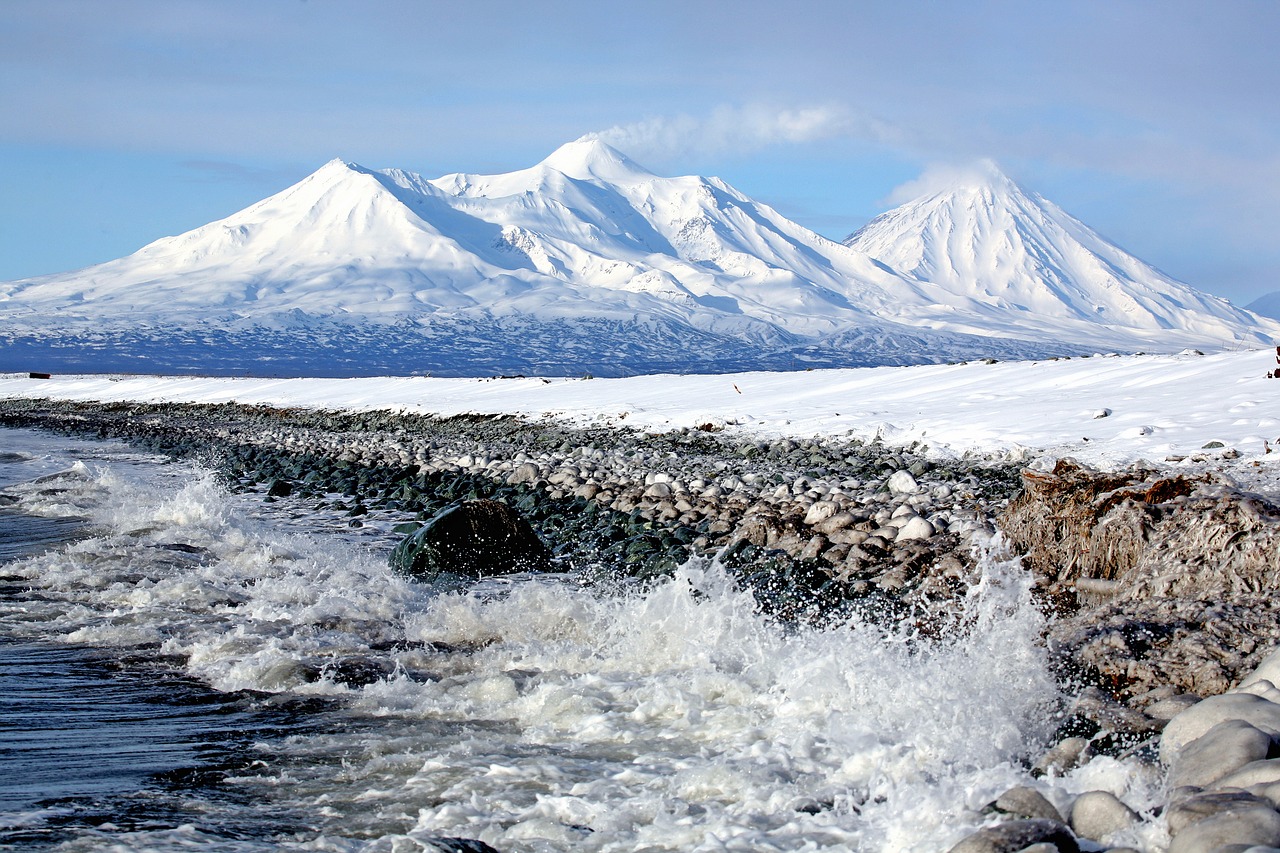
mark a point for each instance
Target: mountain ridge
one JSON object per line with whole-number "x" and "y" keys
{"x": 587, "y": 242}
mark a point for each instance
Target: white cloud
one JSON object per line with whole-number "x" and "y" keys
{"x": 938, "y": 177}
{"x": 737, "y": 130}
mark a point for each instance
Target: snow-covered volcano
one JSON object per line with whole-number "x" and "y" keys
{"x": 997, "y": 250}
{"x": 585, "y": 262}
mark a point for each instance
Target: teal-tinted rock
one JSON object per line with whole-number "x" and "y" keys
{"x": 280, "y": 488}
{"x": 472, "y": 539}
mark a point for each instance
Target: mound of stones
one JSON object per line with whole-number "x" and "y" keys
{"x": 1161, "y": 583}
{"x": 1143, "y": 534}
{"x": 1164, "y": 590}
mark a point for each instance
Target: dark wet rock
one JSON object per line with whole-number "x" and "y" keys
{"x": 477, "y": 538}
{"x": 1015, "y": 835}
{"x": 279, "y": 489}
{"x": 1025, "y": 802}
{"x": 459, "y": 845}
{"x": 359, "y": 671}
{"x": 184, "y": 548}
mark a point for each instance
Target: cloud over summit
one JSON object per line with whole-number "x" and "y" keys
{"x": 939, "y": 177}
{"x": 737, "y": 130}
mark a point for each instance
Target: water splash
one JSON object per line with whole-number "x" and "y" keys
{"x": 780, "y": 728}
{"x": 537, "y": 713}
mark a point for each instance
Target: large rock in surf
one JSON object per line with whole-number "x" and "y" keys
{"x": 472, "y": 539}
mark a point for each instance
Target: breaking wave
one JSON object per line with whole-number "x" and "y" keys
{"x": 535, "y": 712}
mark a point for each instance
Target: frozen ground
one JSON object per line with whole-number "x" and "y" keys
{"x": 1108, "y": 411}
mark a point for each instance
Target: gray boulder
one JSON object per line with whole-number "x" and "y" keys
{"x": 1267, "y": 670}
{"x": 1063, "y": 757}
{"x": 1217, "y": 753}
{"x": 1026, "y": 802}
{"x": 1204, "y": 715}
{"x": 1098, "y": 815}
{"x": 1183, "y": 812}
{"x": 1258, "y": 825}
{"x": 1263, "y": 772}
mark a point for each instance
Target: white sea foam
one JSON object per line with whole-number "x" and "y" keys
{"x": 692, "y": 717}
{"x": 535, "y": 713}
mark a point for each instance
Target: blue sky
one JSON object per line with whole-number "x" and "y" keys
{"x": 1157, "y": 123}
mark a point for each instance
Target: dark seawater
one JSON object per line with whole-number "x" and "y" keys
{"x": 94, "y": 743}
{"x": 24, "y": 535}
{"x": 91, "y": 745}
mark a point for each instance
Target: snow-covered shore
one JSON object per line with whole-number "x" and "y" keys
{"x": 1105, "y": 411}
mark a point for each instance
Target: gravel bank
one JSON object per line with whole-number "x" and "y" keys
{"x": 813, "y": 523}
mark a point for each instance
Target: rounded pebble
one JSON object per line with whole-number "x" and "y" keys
{"x": 1097, "y": 815}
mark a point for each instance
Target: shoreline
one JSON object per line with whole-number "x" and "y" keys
{"x": 861, "y": 519}
{"x": 812, "y": 527}
{"x": 835, "y": 520}
{"x": 1190, "y": 410}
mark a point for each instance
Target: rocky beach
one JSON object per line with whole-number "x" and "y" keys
{"x": 1159, "y": 584}
{"x": 845, "y": 520}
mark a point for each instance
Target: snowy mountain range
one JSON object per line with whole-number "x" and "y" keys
{"x": 588, "y": 263}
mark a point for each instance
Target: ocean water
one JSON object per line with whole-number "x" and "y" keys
{"x": 184, "y": 668}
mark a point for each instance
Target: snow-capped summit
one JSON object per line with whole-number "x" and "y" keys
{"x": 586, "y": 261}
{"x": 985, "y": 240}
{"x": 343, "y": 240}
{"x": 589, "y": 158}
